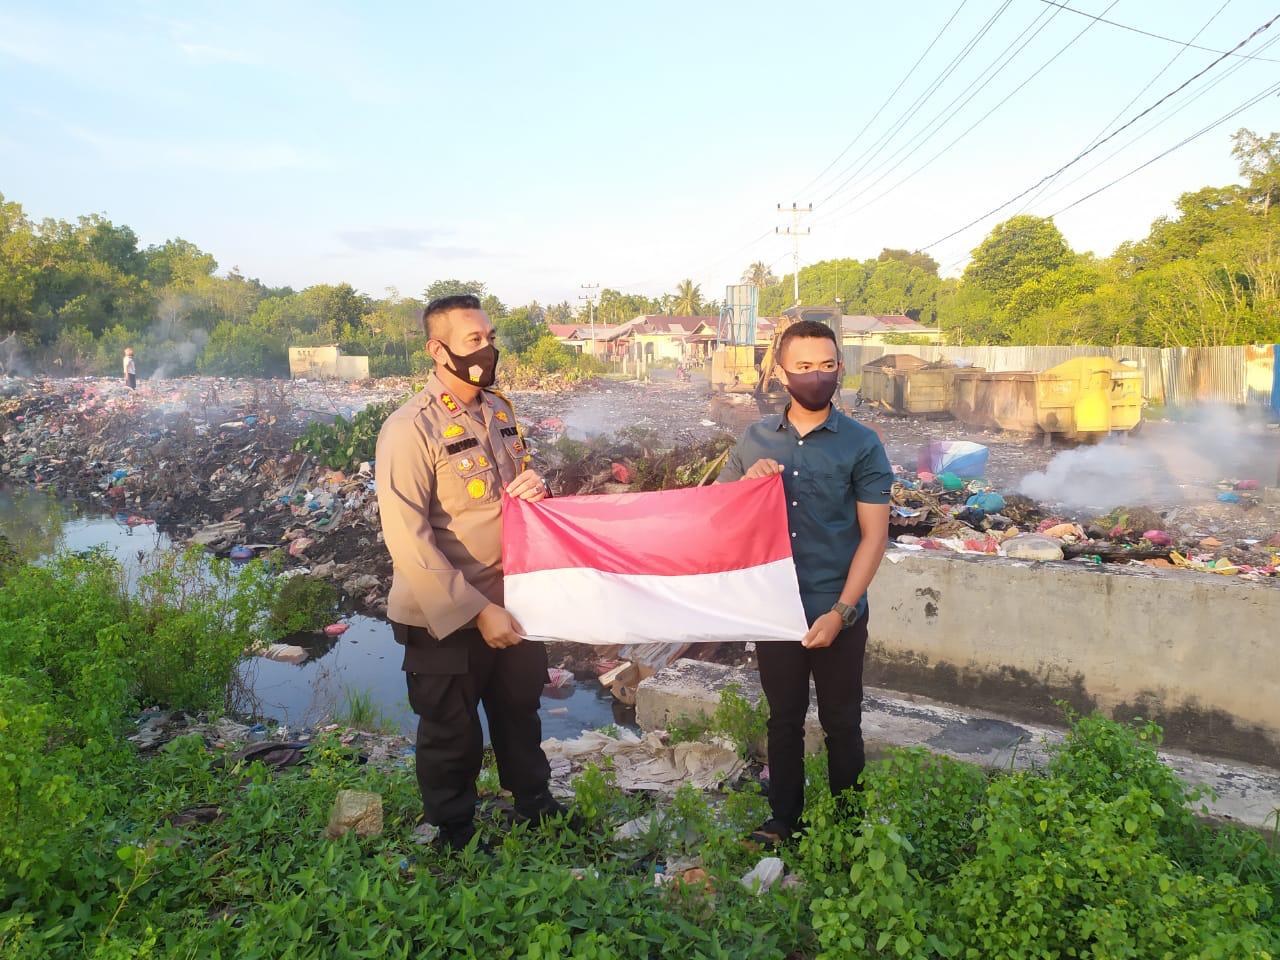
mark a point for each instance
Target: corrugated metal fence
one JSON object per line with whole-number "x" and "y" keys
{"x": 1174, "y": 377}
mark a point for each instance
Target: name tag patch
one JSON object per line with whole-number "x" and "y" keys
{"x": 459, "y": 445}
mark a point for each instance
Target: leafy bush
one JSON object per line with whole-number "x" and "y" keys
{"x": 346, "y": 443}
{"x": 198, "y": 617}
{"x": 303, "y": 604}
{"x": 735, "y": 717}
{"x": 244, "y": 350}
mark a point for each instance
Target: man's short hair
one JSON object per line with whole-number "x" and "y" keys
{"x": 810, "y": 329}
{"x": 442, "y": 305}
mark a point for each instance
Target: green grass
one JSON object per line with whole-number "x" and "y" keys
{"x": 361, "y": 712}
{"x": 1100, "y": 854}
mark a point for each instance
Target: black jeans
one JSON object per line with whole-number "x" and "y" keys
{"x": 785, "y": 669}
{"x": 447, "y": 681}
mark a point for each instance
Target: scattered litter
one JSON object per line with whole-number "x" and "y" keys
{"x": 558, "y": 678}
{"x": 763, "y": 875}
{"x": 1032, "y": 546}
{"x": 336, "y": 629}
{"x": 357, "y": 810}
{"x": 648, "y": 763}
{"x": 634, "y": 829}
{"x": 285, "y": 653}
{"x": 218, "y": 536}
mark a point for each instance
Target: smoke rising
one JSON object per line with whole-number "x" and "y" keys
{"x": 1159, "y": 464}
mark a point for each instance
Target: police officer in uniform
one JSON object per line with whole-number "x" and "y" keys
{"x": 444, "y": 460}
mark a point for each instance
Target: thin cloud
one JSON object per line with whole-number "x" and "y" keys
{"x": 409, "y": 240}
{"x": 234, "y": 157}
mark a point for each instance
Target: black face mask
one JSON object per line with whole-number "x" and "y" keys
{"x": 478, "y": 368}
{"x": 813, "y": 390}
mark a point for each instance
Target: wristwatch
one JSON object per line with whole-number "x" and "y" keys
{"x": 848, "y": 614}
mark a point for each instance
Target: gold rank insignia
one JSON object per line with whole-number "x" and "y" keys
{"x": 483, "y": 461}
{"x": 502, "y": 415}
{"x": 450, "y": 404}
{"x": 465, "y": 465}
{"x": 476, "y": 488}
{"x": 453, "y": 430}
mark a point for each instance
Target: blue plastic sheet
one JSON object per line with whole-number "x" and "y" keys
{"x": 964, "y": 458}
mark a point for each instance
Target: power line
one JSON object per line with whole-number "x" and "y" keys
{"x": 1269, "y": 91}
{"x": 1154, "y": 36}
{"x": 1192, "y": 98}
{"x": 1149, "y": 84}
{"x": 948, "y": 113}
{"x": 905, "y": 77}
{"x": 1044, "y": 66}
{"x": 915, "y": 107}
{"x": 1080, "y": 156}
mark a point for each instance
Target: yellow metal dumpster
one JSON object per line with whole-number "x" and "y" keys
{"x": 1084, "y": 397}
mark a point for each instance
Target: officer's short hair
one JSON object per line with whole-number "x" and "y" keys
{"x": 441, "y": 306}
{"x": 811, "y": 329}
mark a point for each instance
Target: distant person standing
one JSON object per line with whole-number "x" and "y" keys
{"x": 130, "y": 370}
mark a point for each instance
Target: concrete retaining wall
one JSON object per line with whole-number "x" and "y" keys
{"x": 1200, "y": 654}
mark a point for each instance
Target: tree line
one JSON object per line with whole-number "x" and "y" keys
{"x": 1208, "y": 276}
{"x": 74, "y": 294}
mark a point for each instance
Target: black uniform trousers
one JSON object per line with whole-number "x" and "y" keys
{"x": 447, "y": 681}
{"x": 785, "y": 669}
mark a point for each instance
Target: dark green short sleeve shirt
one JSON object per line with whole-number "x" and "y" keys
{"x": 827, "y": 473}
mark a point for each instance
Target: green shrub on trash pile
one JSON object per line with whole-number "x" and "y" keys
{"x": 1098, "y": 855}
{"x": 346, "y": 443}
{"x": 303, "y": 604}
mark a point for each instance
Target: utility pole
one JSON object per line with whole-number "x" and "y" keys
{"x": 795, "y": 233}
{"x": 590, "y": 297}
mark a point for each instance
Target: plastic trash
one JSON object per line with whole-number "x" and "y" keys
{"x": 1228, "y": 497}
{"x": 336, "y": 629}
{"x": 119, "y": 474}
{"x": 764, "y": 875}
{"x": 964, "y": 458}
{"x": 1158, "y": 537}
{"x": 987, "y": 502}
{"x": 950, "y": 481}
{"x": 241, "y": 553}
{"x": 358, "y": 810}
{"x": 1031, "y": 546}
{"x": 558, "y": 677}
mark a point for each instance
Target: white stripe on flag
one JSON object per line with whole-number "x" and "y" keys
{"x": 588, "y": 606}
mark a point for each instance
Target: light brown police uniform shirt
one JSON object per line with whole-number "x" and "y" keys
{"x": 440, "y": 474}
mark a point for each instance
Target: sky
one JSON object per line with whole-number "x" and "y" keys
{"x": 540, "y": 147}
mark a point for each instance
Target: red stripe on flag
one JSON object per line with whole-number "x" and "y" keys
{"x": 709, "y": 529}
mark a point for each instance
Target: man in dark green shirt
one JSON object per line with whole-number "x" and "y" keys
{"x": 837, "y": 480}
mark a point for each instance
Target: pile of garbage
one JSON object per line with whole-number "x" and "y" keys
{"x": 956, "y": 510}
{"x": 210, "y": 461}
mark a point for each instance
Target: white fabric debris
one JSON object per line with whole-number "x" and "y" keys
{"x": 648, "y": 763}
{"x": 763, "y": 875}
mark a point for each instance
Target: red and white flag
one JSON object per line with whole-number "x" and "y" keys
{"x": 676, "y": 566}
